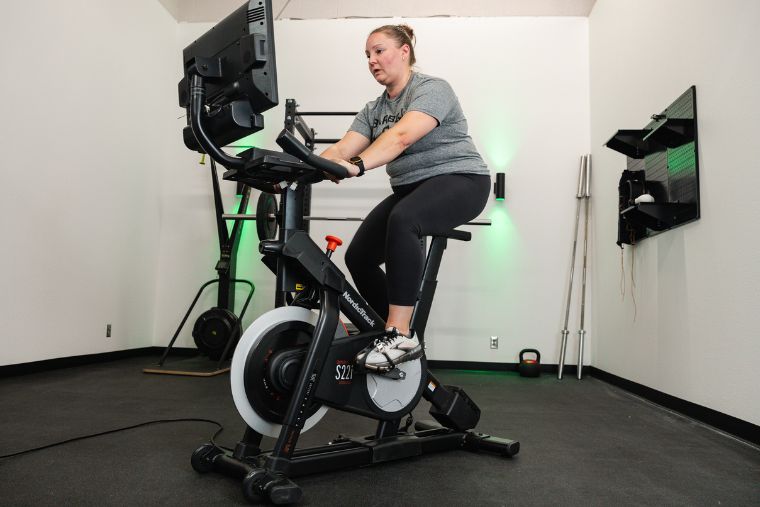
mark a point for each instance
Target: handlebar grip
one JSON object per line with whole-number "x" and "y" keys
{"x": 293, "y": 146}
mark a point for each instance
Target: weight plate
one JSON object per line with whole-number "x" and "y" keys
{"x": 213, "y": 329}
{"x": 266, "y": 216}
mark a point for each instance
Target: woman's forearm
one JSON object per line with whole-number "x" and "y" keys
{"x": 386, "y": 148}
{"x": 333, "y": 152}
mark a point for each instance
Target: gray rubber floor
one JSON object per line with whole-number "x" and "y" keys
{"x": 582, "y": 443}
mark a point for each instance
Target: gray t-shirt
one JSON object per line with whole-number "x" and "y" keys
{"x": 444, "y": 150}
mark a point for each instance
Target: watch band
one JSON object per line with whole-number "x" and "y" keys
{"x": 358, "y": 162}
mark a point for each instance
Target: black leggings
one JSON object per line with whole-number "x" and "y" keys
{"x": 392, "y": 233}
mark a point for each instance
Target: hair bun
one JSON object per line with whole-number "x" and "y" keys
{"x": 408, "y": 30}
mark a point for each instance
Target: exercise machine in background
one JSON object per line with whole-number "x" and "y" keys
{"x": 217, "y": 330}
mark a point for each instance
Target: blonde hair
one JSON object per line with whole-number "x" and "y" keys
{"x": 402, "y": 34}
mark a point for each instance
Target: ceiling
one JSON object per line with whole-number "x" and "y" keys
{"x": 195, "y": 11}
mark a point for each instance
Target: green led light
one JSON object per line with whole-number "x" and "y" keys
{"x": 502, "y": 252}
{"x": 498, "y": 373}
{"x": 247, "y": 143}
{"x": 498, "y": 141}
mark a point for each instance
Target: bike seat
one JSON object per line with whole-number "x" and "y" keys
{"x": 455, "y": 234}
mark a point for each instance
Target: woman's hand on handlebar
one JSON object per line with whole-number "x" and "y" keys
{"x": 350, "y": 168}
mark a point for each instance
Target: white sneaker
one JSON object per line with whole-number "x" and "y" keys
{"x": 389, "y": 351}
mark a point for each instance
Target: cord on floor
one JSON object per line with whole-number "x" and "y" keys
{"x": 157, "y": 421}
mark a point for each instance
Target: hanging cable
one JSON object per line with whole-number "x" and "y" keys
{"x": 622, "y": 274}
{"x": 633, "y": 281}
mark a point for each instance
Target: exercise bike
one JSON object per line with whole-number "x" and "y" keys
{"x": 295, "y": 361}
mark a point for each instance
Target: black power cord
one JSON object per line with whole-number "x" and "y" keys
{"x": 157, "y": 421}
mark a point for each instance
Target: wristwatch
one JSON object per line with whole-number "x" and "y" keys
{"x": 358, "y": 162}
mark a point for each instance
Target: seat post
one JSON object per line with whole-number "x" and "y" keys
{"x": 428, "y": 286}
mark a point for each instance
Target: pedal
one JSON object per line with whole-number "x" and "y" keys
{"x": 392, "y": 370}
{"x": 395, "y": 374}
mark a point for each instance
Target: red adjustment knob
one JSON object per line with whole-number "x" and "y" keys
{"x": 333, "y": 242}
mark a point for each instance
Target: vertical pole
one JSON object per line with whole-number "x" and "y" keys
{"x": 579, "y": 196}
{"x": 582, "y": 330}
{"x": 427, "y": 287}
{"x": 225, "y": 295}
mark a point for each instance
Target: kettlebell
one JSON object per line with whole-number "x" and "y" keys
{"x": 529, "y": 367}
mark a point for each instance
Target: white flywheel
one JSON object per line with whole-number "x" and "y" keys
{"x": 248, "y": 343}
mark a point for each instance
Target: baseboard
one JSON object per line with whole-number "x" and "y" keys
{"x": 13, "y": 370}
{"x": 737, "y": 427}
{"x": 66, "y": 362}
{"x": 569, "y": 369}
{"x": 470, "y": 365}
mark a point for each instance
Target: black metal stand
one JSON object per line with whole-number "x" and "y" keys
{"x": 225, "y": 354}
{"x": 225, "y": 267}
{"x": 342, "y": 453}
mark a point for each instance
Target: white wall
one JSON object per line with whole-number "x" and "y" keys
{"x": 108, "y": 219}
{"x": 523, "y": 84}
{"x": 695, "y": 331}
{"x": 86, "y": 118}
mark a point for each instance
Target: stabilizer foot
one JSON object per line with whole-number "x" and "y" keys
{"x": 203, "y": 457}
{"x": 481, "y": 442}
{"x": 273, "y": 487}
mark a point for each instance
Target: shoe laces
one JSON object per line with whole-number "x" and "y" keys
{"x": 392, "y": 338}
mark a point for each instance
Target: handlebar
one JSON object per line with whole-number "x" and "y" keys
{"x": 292, "y": 146}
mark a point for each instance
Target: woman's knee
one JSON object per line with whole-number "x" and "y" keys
{"x": 352, "y": 257}
{"x": 358, "y": 259}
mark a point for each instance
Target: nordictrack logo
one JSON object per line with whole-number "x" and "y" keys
{"x": 362, "y": 312}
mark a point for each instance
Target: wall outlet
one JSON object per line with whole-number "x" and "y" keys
{"x": 108, "y": 330}
{"x": 494, "y": 342}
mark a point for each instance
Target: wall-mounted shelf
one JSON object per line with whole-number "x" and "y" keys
{"x": 633, "y": 143}
{"x": 661, "y": 162}
{"x": 672, "y": 132}
{"x": 659, "y": 216}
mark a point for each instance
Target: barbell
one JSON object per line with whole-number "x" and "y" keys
{"x": 266, "y": 208}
